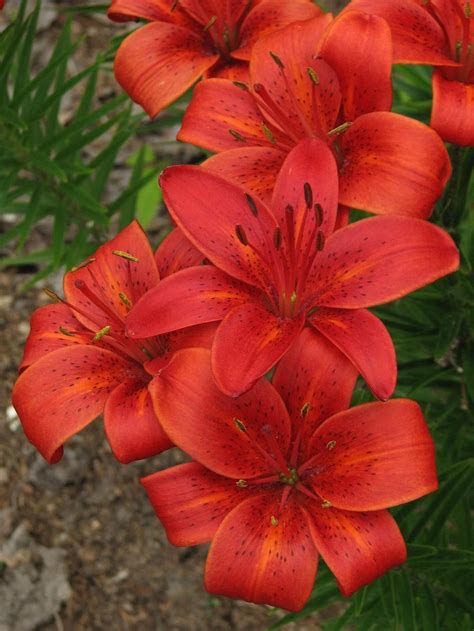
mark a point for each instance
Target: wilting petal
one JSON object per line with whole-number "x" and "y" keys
{"x": 52, "y": 327}
{"x": 191, "y": 501}
{"x": 313, "y": 373}
{"x": 379, "y": 259}
{"x": 417, "y": 37}
{"x": 222, "y": 116}
{"x": 248, "y": 343}
{"x": 193, "y": 296}
{"x": 311, "y": 163}
{"x": 382, "y": 455}
{"x": 357, "y": 547}
{"x": 117, "y": 281}
{"x": 255, "y": 168}
{"x": 392, "y": 164}
{"x": 252, "y": 559}
{"x": 202, "y": 421}
{"x": 208, "y": 209}
{"x": 175, "y": 253}
{"x": 157, "y": 63}
{"x": 452, "y": 114}
{"x": 64, "y": 391}
{"x": 131, "y": 426}
{"x": 366, "y": 85}
{"x": 273, "y": 15}
{"x": 365, "y": 341}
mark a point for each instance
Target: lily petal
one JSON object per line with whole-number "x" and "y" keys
{"x": 363, "y": 338}
{"x": 392, "y": 164}
{"x": 191, "y": 501}
{"x": 64, "y": 391}
{"x": 131, "y": 426}
{"x": 357, "y": 547}
{"x": 157, "y": 63}
{"x": 380, "y": 259}
{"x": 452, "y": 113}
{"x": 226, "y": 435}
{"x": 252, "y": 559}
{"x": 255, "y": 168}
{"x": 126, "y": 10}
{"x": 315, "y": 380}
{"x": 175, "y": 253}
{"x": 383, "y": 455}
{"x": 193, "y": 296}
{"x": 248, "y": 343}
{"x": 366, "y": 86}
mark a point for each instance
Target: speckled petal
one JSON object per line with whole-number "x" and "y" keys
{"x": 452, "y": 115}
{"x": 175, "y": 253}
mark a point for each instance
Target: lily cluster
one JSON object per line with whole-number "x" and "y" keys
{"x": 240, "y": 340}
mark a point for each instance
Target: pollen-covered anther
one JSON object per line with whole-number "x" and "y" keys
{"x": 238, "y": 136}
{"x": 339, "y": 129}
{"x": 268, "y": 134}
{"x": 308, "y": 195}
{"x": 276, "y": 59}
{"x": 211, "y": 23}
{"x": 326, "y": 504}
{"x": 305, "y": 410}
{"x": 51, "y": 294}
{"x": 240, "y": 234}
{"x": 274, "y": 520}
{"x": 82, "y": 265}
{"x": 242, "y": 484}
{"x": 125, "y": 255}
{"x": 124, "y": 298}
{"x": 331, "y": 444}
{"x": 252, "y": 204}
{"x": 313, "y": 76}
{"x": 65, "y": 331}
{"x": 319, "y": 214}
{"x": 240, "y": 425}
{"x": 277, "y": 238}
{"x": 320, "y": 241}
{"x": 100, "y": 334}
{"x": 468, "y": 10}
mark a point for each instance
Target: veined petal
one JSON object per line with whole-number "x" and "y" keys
{"x": 252, "y": 559}
{"x": 248, "y": 343}
{"x": 315, "y": 380}
{"x": 452, "y": 113}
{"x": 210, "y": 210}
{"x": 365, "y": 341}
{"x": 191, "y": 501}
{"x": 392, "y": 164}
{"x": 119, "y": 273}
{"x": 382, "y": 455}
{"x": 417, "y": 37}
{"x": 157, "y": 63}
{"x": 348, "y": 46}
{"x": 357, "y": 547}
{"x": 126, "y": 10}
{"x": 311, "y": 163}
{"x": 272, "y": 15}
{"x": 193, "y": 296}
{"x": 64, "y": 391}
{"x": 222, "y": 116}
{"x": 226, "y": 435}
{"x": 175, "y": 253}
{"x": 254, "y": 168}
{"x": 379, "y": 259}
{"x": 131, "y": 426}
{"x": 52, "y": 327}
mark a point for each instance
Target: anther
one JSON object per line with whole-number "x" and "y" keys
{"x": 252, "y": 204}
{"x": 331, "y": 444}
{"x": 273, "y": 520}
{"x": 82, "y": 265}
{"x": 268, "y": 134}
{"x": 241, "y": 236}
{"x": 320, "y": 241}
{"x": 50, "y": 293}
{"x": 276, "y": 59}
{"x": 277, "y": 238}
{"x": 293, "y": 297}
{"x": 305, "y": 410}
{"x": 326, "y": 504}
{"x": 242, "y": 484}
{"x": 240, "y": 425}
{"x": 211, "y": 22}
{"x": 458, "y": 51}
{"x": 318, "y": 211}
{"x": 125, "y": 255}
{"x": 241, "y": 85}
{"x": 174, "y": 5}
{"x": 124, "y": 298}
{"x": 340, "y": 129}
{"x": 100, "y": 334}
{"x": 65, "y": 331}
{"x": 313, "y": 76}
{"x": 236, "y": 135}
{"x": 308, "y": 195}
{"x": 468, "y": 10}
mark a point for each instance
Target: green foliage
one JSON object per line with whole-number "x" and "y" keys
{"x": 56, "y": 169}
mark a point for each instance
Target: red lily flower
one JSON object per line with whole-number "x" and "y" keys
{"x": 189, "y": 38}
{"x": 282, "y": 267}
{"x": 287, "y": 472}
{"x": 304, "y": 84}
{"x": 438, "y": 33}
{"x": 78, "y": 361}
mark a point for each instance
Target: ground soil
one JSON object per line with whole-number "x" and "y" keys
{"x": 80, "y": 546}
